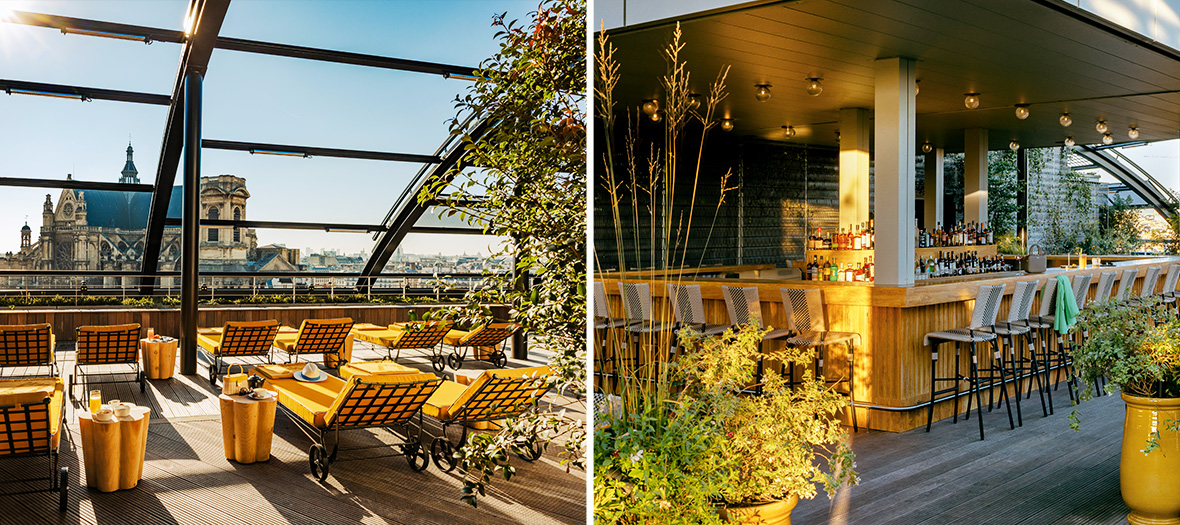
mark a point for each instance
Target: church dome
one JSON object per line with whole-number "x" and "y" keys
{"x": 26, "y": 228}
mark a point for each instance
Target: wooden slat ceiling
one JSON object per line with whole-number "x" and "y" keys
{"x": 1010, "y": 51}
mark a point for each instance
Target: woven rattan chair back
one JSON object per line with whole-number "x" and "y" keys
{"x": 687, "y": 304}
{"x": 26, "y": 345}
{"x": 1171, "y": 278}
{"x": 24, "y": 428}
{"x": 248, "y": 338}
{"x": 636, "y": 301}
{"x": 1081, "y": 289}
{"x": 317, "y": 336}
{"x": 423, "y": 335}
{"x": 742, "y": 304}
{"x": 108, "y": 344}
{"x": 489, "y": 334}
{"x": 987, "y": 306}
{"x": 601, "y": 309}
{"x": 373, "y": 404}
{"x": 1048, "y": 298}
{"x": 1105, "y": 287}
{"x": 502, "y": 397}
{"x": 1022, "y": 300}
{"x": 1125, "y": 284}
{"x": 1149, "y": 280}
{"x": 804, "y": 309}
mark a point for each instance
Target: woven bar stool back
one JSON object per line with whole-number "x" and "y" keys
{"x": 687, "y": 305}
{"x": 742, "y": 304}
{"x": 1105, "y": 286}
{"x": 1170, "y": 279}
{"x": 1081, "y": 289}
{"x": 636, "y": 300}
{"x": 1125, "y": 283}
{"x": 804, "y": 309}
{"x": 1022, "y": 300}
{"x": 986, "y": 313}
{"x": 601, "y": 310}
{"x": 1048, "y": 297}
{"x": 1149, "y": 280}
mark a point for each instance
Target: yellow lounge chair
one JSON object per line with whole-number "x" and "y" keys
{"x": 107, "y": 345}
{"x": 425, "y": 335}
{"x": 237, "y": 339}
{"x": 494, "y": 395}
{"x": 28, "y": 345}
{"x": 493, "y": 335}
{"x": 318, "y": 336}
{"x": 363, "y": 401}
{"x": 31, "y": 419}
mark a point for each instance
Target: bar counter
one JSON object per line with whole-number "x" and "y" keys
{"x": 892, "y": 366}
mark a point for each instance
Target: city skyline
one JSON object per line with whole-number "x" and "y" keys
{"x": 249, "y": 98}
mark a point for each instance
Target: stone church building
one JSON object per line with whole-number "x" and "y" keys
{"x": 105, "y": 230}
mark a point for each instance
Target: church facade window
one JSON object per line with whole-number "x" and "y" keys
{"x": 214, "y": 214}
{"x": 237, "y": 232}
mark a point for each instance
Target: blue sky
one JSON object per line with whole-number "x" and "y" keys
{"x": 249, "y": 97}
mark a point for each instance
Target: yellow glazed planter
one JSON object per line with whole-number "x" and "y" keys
{"x": 1150, "y": 482}
{"x": 773, "y": 513}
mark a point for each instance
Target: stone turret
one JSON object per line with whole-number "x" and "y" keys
{"x": 130, "y": 174}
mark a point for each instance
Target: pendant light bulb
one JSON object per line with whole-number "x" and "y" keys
{"x": 1101, "y": 126}
{"x": 1014, "y": 145}
{"x": 655, "y": 117}
{"x": 727, "y": 124}
{"x": 1022, "y": 111}
{"x": 927, "y": 147}
{"x": 650, "y": 107}
{"x": 762, "y": 92}
{"x": 1065, "y": 120}
{"x": 1069, "y": 142}
{"x": 1133, "y": 133}
{"x": 971, "y": 100}
{"x": 1107, "y": 139}
{"x": 814, "y": 88}
{"x": 789, "y": 131}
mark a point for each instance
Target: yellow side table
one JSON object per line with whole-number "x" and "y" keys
{"x": 158, "y": 357}
{"x": 247, "y": 427}
{"x": 113, "y": 451}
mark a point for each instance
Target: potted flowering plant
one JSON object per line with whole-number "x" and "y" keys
{"x": 1137, "y": 347}
{"x": 698, "y": 448}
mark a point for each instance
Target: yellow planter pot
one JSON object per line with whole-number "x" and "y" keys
{"x": 1151, "y": 482}
{"x": 773, "y": 513}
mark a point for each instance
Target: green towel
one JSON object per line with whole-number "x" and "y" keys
{"x": 1066, "y": 309}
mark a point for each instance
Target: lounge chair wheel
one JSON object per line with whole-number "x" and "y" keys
{"x": 142, "y": 381}
{"x": 70, "y": 390}
{"x": 63, "y": 489}
{"x": 317, "y": 457}
{"x": 416, "y": 456}
{"x": 212, "y": 376}
{"x": 500, "y": 360}
{"x": 454, "y": 361}
{"x": 444, "y": 454}
{"x": 438, "y": 362}
{"x": 530, "y": 451}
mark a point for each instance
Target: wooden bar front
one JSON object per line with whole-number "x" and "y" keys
{"x": 892, "y": 366}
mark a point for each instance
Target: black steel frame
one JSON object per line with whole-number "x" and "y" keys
{"x": 498, "y": 357}
{"x": 59, "y": 479}
{"x": 411, "y": 446}
{"x": 508, "y": 397}
{"x": 84, "y": 378}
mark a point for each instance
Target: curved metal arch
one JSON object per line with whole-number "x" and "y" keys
{"x": 1136, "y": 178}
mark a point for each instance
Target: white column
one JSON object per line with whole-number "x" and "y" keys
{"x": 893, "y": 122}
{"x": 934, "y": 188}
{"x": 975, "y": 175}
{"x": 854, "y": 166}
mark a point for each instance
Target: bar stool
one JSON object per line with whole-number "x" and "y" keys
{"x": 1167, "y": 294}
{"x": 1018, "y": 310}
{"x": 1063, "y": 357}
{"x": 805, "y": 317}
{"x": 1105, "y": 287}
{"x": 638, "y": 308}
{"x": 1125, "y": 284}
{"x": 1042, "y": 326}
{"x": 1148, "y": 288}
{"x": 689, "y": 309}
{"x": 987, "y": 308}
{"x": 743, "y": 307}
{"x": 603, "y": 323}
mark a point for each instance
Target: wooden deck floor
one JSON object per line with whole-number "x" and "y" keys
{"x": 187, "y": 479}
{"x": 1041, "y": 473}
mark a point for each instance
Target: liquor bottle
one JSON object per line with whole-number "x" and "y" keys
{"x": 833, "y": 273}
{"x": 857, "y": 240}
{"x": 872, "y": 270}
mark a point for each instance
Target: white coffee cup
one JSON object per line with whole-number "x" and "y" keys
{"x": 122, "y": 409}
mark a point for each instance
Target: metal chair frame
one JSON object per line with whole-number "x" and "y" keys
{"x": 485, "y": 335}
{"x": 800, "y": 306}
{"x": 321, "y": 336}
{"x": 244, "y": 339}
{"x": 499, "y": 398}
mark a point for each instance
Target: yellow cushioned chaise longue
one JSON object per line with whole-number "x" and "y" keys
{"x": 237, "y": 339}
{"x": 422, "y": 335}
{"x": 28, "y": 346}
{"x": 494, "y": 395}
{"x": 362, "y": 401}
{"x": 488, "y": 341}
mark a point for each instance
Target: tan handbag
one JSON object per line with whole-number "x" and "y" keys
{"x": 235, "y": 383}
{"x": 1036, "y": 261}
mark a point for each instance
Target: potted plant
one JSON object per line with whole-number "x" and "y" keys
{"x": 697, "y": 447}
{"x": 1137, "y": 348}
